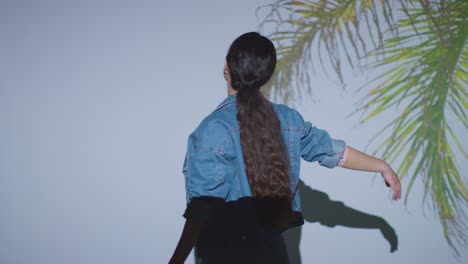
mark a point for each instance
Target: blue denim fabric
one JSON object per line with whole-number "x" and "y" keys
{"x": 214, "y": 164}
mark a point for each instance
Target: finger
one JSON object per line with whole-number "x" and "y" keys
{"x": 392, "y": 186}
{"x": 396, "y": 192}
{"x": 393, "y": 192}
{"x": 399, "y": 189}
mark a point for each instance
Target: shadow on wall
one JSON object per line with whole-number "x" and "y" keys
{"x": 317, "y": 207}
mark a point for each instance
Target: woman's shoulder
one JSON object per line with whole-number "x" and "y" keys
{"x": 213, "y": 124}
{"x": 288, "y": 115}
{"x": 212, "y": 130}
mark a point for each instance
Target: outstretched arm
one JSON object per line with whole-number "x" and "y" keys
{"x": 187, "y": 240}
{"x": 357, "y": 160}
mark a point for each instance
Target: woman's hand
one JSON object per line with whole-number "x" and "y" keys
{"x": 357, "y": 160}
{"x": 392, "y": 181}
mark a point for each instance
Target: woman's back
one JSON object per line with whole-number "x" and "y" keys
{"x": 214, "y": 165}
{"x": 242, "y": 166}
{"x": 215, "y": 174}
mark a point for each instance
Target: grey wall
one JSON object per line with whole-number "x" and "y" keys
{"x": 97, "y": 99}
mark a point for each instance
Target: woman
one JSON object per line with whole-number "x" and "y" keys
{"x": 242, "y": 166}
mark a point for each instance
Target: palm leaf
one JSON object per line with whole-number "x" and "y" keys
{"x": 432, "y": 70}
{"x": 333, "y": 26}
{"x": 424, "y": 56}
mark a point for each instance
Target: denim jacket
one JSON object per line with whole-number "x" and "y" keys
{"x": 214, "y": 165}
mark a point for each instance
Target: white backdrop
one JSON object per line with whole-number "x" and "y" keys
{"x": 97, "y": 99}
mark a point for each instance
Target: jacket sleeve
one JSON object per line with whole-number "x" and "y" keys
{"x": 317, "y": 145}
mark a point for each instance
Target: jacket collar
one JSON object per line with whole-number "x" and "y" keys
{"x": 229, "y": 100}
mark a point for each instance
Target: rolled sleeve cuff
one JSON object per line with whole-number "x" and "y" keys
{"x": 338, "y": 149}
{"x": 344, "y": 158}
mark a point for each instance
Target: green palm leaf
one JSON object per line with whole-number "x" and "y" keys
{"x": 333, "y": 26}
{"x": 425, "y": 59}
{"x": 428, "y": 70}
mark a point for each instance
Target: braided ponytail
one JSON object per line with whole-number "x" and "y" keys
{"x": 251, "y": 62}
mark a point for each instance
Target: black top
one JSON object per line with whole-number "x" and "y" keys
{"x": 242, "y": 231}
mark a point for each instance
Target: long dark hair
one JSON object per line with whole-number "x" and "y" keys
{"x": 251, "y": 61}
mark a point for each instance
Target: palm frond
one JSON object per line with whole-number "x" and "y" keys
{"x": 428, "y": 71}
{"x": 424, "y": 56}
{"x": 334, "y": 27}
